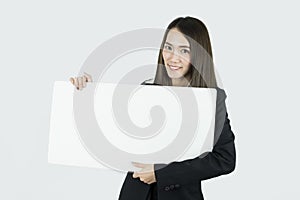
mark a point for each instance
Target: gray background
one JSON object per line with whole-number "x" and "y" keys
{"x": 256, "y": 50}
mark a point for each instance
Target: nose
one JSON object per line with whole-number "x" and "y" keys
{"x": 174, "y": 57}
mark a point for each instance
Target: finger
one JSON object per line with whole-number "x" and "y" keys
{"x": 84, "y": 80}
{"x": 76, "y": 83}
{"x": 135, "y": 175}
{"x": 88, "y": 76}
{"x": 151, "y": 180}
{"x": 87, "y": 79}
{"x": 80, "y": 83}
{"x": 139, "y": 165}
{"x": 146, "y": 170}
{"x": 72, "y": 80}
{"x": 147, "y": 181}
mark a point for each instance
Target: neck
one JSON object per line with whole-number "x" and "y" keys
{"x": 183, "y": 81}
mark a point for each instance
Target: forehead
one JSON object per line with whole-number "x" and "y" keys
{"x": 175, "y": 37}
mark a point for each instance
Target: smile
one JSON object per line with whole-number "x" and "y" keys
{"x": 173, "y": 67}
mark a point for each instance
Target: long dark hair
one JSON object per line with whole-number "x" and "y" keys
{"x": 201, "y": 67}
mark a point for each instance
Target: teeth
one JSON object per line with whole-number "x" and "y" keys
{"x": 173, "y": 67}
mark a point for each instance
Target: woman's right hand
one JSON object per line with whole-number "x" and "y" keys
{"x": 80, "y": 82}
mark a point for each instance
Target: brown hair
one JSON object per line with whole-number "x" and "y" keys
{"x": 201, "y": 65}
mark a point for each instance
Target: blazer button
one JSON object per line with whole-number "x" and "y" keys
{"x": 172, "y": 187}
{"x": 177, "y": 186}
{"x": 167, "y": 188}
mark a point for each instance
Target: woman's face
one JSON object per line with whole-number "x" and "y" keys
{"x": 176, "y": 54}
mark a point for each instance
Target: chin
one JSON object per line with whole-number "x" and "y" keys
{"x": 171, "y": 75}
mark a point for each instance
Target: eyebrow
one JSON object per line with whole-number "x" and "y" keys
{"x": 179, "y": 46}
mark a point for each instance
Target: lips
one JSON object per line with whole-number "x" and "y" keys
{"x": 173, "y": 67}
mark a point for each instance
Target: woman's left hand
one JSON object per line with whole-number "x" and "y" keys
{"x": 146, "y": 174}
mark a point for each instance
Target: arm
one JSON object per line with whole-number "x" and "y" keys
{"x": 218, "y": 162}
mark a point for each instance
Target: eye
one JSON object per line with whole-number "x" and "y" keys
{"x": 167, "y": 47}
{"x": 185, "y": 51}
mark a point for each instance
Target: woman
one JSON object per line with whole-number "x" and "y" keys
{"x": 185, "y": 59}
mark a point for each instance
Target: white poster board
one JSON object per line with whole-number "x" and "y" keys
{"x": 65, "y": 146}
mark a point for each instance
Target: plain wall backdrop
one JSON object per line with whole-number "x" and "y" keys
{"x": 256, "y": 52}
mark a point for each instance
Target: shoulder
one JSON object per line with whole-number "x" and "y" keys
{"x": 221, "y": 94}
{"x": 149, "y": 81}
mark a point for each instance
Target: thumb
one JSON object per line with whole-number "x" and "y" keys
{"x": 139, "y": 165}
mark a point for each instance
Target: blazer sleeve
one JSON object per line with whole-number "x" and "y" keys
{"x": 220, "y": 161}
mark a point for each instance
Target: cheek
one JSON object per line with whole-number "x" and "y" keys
{"x": 165, "y": 55}
{"x": 186, "y": 63}
{"x": 186, "y": 59}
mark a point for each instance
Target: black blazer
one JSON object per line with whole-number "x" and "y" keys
{"x": 182, "y": 180}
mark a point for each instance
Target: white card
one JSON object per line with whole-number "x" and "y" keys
{"x": 66, "y": 147}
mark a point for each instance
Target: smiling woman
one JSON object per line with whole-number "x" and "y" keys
{"x": 185, "y": 59}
